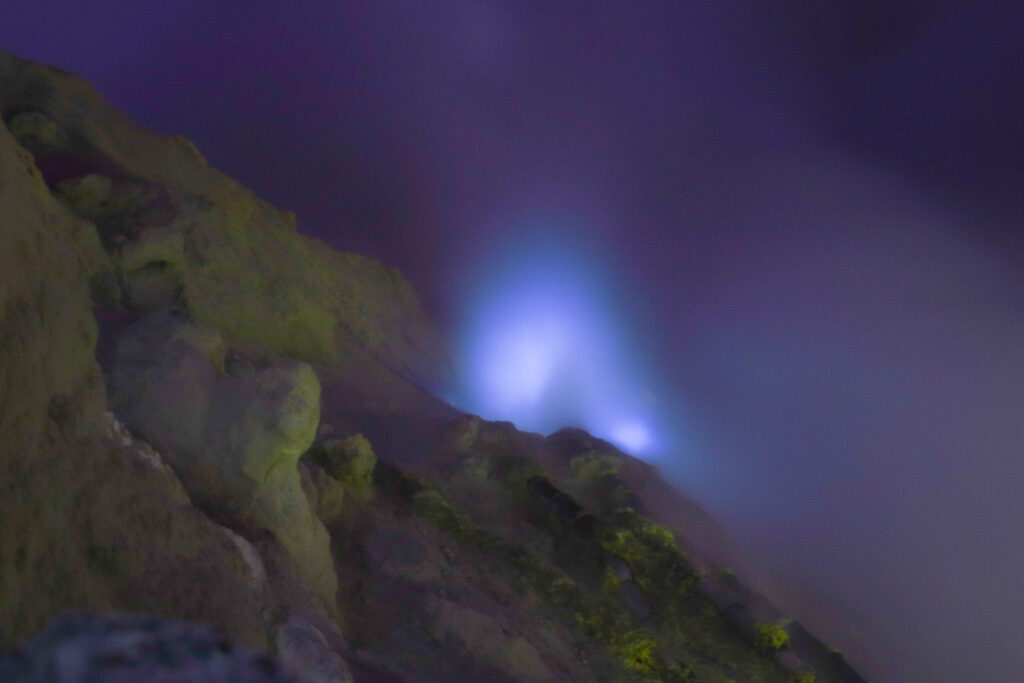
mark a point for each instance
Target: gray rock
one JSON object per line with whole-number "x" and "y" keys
{"x": 233, "y": 440}
{"x": 80, "y": 648}
{"x": 304, "y": 651}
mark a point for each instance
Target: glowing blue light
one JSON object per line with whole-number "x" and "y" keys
{"x": 522, "y": 361}
{"x": 631, "y": 436}
{"x": 542, "y": 347}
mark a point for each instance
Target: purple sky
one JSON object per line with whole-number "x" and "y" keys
{"x": 809, "y": 213}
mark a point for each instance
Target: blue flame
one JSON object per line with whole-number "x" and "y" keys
{"x": 543, "y": 346}
{"x": 631, "y": 435}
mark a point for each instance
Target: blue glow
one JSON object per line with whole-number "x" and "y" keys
{"x": 543, "y": 346}
{"x": 632, "y": 436}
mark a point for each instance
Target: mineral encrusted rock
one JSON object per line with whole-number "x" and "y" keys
{"x": 234, "y": 440}
{"x": 86, "y": 521}
{"x": 350, "y": 461}
{"x": 168, "y": 220}
{"x": 173, "y": 355}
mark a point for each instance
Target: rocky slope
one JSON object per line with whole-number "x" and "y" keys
{"x": 209, "y": 417}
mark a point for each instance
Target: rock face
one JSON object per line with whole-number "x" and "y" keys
{"x": 234, "y": 440}
{"x": 86, "y": 520}
{"x": 174, "y": 227}
{"x": 171, "y": 353}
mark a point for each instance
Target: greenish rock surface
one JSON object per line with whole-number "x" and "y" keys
{"x": 241, "y": 265}
{"x": 326, "y": 494}
{"x": 350, "y": 460}
{"x": 234, "y": 440}
{"x": 87, "y": 520}
{"x": 171, "y": 348}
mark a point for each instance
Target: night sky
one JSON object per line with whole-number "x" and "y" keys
{"x": 788, "y": 236}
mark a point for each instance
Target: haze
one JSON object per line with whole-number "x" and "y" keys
{"x": 774, "y": 248}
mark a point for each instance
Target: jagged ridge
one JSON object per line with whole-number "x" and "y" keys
{"x": 185, "y": 383}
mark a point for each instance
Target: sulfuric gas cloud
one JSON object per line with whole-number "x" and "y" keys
{"x": 544, "y": 345}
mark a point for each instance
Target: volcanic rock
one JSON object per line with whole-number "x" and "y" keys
{"x": 189, "y": 391}
{"x": 234, "y": 440}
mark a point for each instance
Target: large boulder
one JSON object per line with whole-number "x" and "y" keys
{"x": 233, "y": 440}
